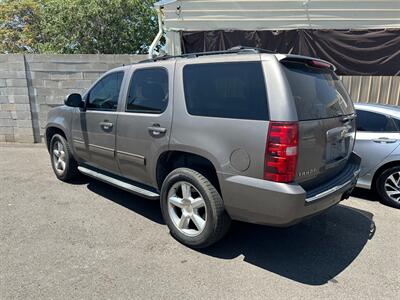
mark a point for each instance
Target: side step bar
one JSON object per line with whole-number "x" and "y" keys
{"x": 119, "y": 183}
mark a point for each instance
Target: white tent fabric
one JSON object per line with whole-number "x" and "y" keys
{"x": 192, "y": 15}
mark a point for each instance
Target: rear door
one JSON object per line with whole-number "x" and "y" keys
{"x": 326, "y": 121}
{"x": 145, "y": 121}
{"x": 377, "y": 137}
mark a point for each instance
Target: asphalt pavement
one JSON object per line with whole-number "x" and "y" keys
{"x": 87, "y": 240}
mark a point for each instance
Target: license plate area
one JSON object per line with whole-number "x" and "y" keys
{"x": 338, "y": 144}
{"x": 336, "y": 151}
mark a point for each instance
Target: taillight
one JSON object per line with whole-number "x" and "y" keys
{"x": 319, "y": 64}
{"x": 281, "y": 151}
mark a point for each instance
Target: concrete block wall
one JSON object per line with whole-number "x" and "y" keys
{"x": 15, "y": 109}
{"x": 52, "y": 77}
{"x": 30, "y": 85}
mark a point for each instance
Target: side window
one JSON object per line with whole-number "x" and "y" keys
{"x": 104, "y": 95}
{"x": 148, "y": 91}
{"x": 397, "y": 122}
{"x": 374, "y": 122}
{"x": 226, "y": 90}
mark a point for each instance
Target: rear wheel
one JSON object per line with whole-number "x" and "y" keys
{"x": 388, "y": 187}
{"x": 64, "y": 165}
{"x": 193, "y": 209}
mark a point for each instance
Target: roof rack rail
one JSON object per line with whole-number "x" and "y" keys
{"x": 233, "y": 50}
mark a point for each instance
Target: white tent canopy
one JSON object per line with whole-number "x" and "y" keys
{"x": 192, "y": 15}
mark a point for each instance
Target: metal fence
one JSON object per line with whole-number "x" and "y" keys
{"x": 373, "y": 89}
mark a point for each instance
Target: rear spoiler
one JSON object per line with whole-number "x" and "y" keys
{"x": 315, "y": 62}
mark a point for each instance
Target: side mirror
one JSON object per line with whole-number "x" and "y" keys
{"x": 74, "y": 100}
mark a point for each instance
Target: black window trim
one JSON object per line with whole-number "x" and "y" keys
{"x": 152, "y": 112}
{"x": 390, "y": 118}
{"x": 87, "y": 96}
{"x": 227, "y": 62}
{"x": 394, "y": 122}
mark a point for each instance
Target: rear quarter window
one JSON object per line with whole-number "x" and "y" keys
{"x": 397, "y": 123}
{"x": 318, "y": 93}
{"x": 226, "y": 90}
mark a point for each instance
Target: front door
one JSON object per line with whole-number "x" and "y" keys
{"x": 144, "y": 123}
{"x": 94, "y": 127}
{"x": 377, "y": 137}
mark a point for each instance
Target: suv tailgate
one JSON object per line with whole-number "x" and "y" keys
{"x": 326, "y": 120}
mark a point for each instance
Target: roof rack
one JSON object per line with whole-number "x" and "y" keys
{"x": 233, "y": 50}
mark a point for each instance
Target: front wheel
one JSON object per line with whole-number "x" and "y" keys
{"x": 64, "y": 165}
{"x": 193, "y": 209}
{"x": 388, "y": 187}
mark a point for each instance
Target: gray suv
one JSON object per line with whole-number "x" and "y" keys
{"x": 243, "y": 134}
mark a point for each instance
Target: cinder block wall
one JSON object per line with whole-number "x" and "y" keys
{"x": 15, "y": 112}
{"x": 30, "y": 85}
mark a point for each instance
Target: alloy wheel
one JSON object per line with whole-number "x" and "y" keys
{"x": 59, "y": 157}
{"x": 392, "y": 186}
{"x": 187, "y": 208}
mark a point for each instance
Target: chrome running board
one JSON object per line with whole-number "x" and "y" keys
{"x": 119, "y": 183}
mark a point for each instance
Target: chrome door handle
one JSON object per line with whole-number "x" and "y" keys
{"x": 156, "y": 129}
{"x": 384, "y": 140}
{"x": 106, "y": 125}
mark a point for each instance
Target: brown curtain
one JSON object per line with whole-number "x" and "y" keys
{"x": 353, "y": 52}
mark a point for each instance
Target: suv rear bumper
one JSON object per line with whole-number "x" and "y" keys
{"x": 265, "y": 202}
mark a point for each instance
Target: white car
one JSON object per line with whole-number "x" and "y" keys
{"x": 377, "y": 142}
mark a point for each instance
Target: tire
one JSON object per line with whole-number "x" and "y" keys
{"x": 386, "y": 183}
{"x": 181, "y": 213}
{"x": 64, "y": 165}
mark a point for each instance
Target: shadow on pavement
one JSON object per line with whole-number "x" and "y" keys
{"x": 312, "y": 252}
{"x": 147, "y": 208}
{"x": 364, "y": 194}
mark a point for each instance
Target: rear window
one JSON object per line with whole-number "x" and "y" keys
{"x": 226, "y": 90}
{"x": 318, "y": 93}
